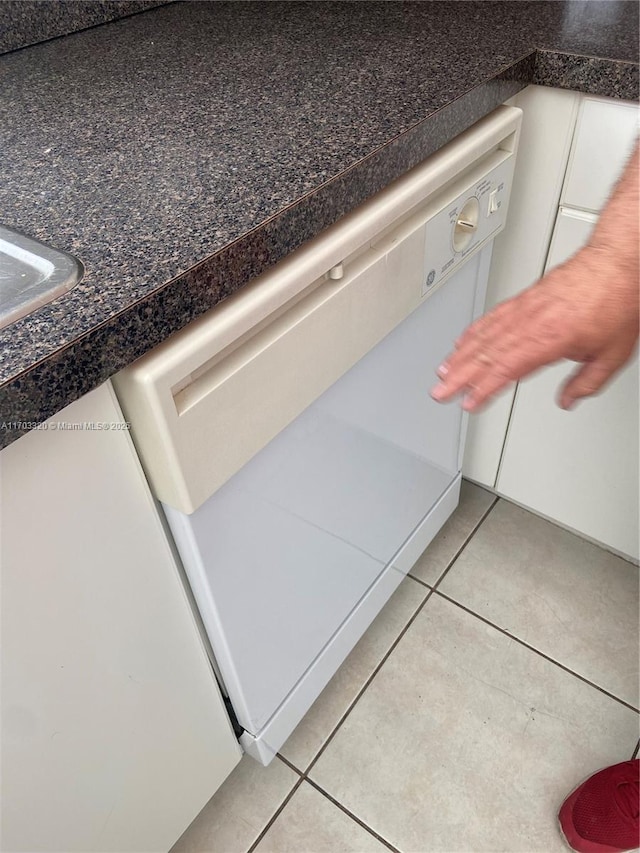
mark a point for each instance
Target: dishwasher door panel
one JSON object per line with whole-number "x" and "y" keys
{"x": 274, "y": 589}
{"x": 347, "y": 480}
{"x": 285, "y": 551}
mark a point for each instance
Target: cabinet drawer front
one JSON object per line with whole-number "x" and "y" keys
{"x": 604, "y": 139}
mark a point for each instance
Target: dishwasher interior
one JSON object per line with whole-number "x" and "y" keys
{"x": 290, "y": 437}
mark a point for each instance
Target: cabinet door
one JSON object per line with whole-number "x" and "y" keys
{"x": 605, "y": 135}
{"x": 114, "y": 734}
{"x": 579, "y": 468}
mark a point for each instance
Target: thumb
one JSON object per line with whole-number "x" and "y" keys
{"x": 588, "y": 380}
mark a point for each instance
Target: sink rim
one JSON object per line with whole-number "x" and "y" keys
{"x": 60, "y": 272}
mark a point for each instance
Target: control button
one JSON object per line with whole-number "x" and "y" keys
{"x": 493, "y": 202}
{"x": 431, "y": 278}
{"x": 466, "y": 224}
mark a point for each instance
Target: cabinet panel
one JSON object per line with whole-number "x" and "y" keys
{"x": 605, "y": 135}
{"x": 114, "y": 734}
{"x": 580, "y": 467}
{"x": 548, "y": 121}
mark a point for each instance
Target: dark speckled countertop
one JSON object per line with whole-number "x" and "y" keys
{"x": 180, "y": 152}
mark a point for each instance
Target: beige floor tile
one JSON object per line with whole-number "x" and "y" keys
{"x": 310, "y": 823}
{"x": 566, "y": 597}
{"x": 239, "y": 811}
{"x": 474, "y": 502}
{"x": 468, "y": 741}
{"x": 343, "y": 688}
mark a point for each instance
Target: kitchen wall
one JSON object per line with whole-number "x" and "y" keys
{"x": 24, "y": 22}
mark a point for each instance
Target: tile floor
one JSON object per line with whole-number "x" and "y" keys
{"x": 503, "y": 671}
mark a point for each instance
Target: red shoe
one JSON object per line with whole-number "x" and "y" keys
{"x": 601, "y": 815}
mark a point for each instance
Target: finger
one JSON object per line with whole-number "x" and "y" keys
{"x": 458, "y": 374}
{"x": 491, "y": 339}
{"x": 506, "y": 344}
{"x": 486, "y": 387}
{"x": 484, "y": 372}
{"x": 477, "y": 350}
{"x": 466, "y": 347}
{"x": 588, "y": 380}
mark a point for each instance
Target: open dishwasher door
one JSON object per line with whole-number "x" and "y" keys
{"x": 290, "y": 436}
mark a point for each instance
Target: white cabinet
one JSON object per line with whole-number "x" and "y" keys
{"x": 519, "y": 254}
{"x": 578, "y": 468}
{"x": 604, "y": 138}
{"x": 114, "y": 734}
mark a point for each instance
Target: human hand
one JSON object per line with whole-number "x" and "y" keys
{"x": 585, "y": 310}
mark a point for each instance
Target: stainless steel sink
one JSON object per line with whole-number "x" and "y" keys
{"x": 31, "y": 274}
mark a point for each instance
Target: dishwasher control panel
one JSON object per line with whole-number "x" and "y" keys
{"x": 464, "y": 224}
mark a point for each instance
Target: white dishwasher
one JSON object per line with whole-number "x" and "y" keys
{"x": 290, "y": 437}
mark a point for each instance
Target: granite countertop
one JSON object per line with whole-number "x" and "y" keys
{"x": 181, "y": 152}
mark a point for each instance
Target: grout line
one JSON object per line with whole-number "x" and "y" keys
{"x": 635, "y": 751}
{"x": 353, "y": 817}
{"x": 366, "y": 685}
{"x": 291, "y": 766}
{"x": 304, "y": 778}
{"x": 466, "y": 541}
{"x": 422, "y": 583}
{"x": 537, "y": 651}
{"x": 275, "y": 815}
